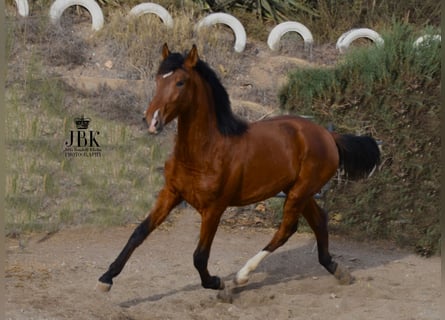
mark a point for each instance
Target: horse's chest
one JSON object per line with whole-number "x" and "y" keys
{"x": 198, "y": 187}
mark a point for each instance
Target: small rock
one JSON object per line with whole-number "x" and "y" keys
{"x": 109, "y": 64}
{"x": 260, "y": 207}
{"x": 353, "y": 259}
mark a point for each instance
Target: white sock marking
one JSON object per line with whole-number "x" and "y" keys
{"x": 243, "y": 275}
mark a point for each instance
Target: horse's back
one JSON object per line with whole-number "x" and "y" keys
{"x": 300, "y": 133}
{"x": 274, "y": 152}
{"x": 313, "y": 142}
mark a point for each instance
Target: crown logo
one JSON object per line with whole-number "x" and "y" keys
{"x": 82, "y": 122}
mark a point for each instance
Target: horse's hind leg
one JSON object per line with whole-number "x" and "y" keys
{"x": 165, "y": 202}
{"x": 289, "y": 225}
{"x": 318, "y": 220}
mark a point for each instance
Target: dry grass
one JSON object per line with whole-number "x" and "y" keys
{"x": 120, "y": 105}
{"x": 136, "y": 42}
{"x": 63, "y": 48}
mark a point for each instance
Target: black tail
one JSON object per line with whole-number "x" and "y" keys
{"x": 359, "y": 155}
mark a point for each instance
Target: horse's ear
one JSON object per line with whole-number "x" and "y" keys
{"x": 192, "y": 58}
{"x": 165, "y": 51}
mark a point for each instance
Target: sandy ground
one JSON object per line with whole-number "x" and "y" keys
{"x": 54, "y": 277}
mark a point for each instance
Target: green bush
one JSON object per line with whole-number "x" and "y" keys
{"x": 392, "y": 92}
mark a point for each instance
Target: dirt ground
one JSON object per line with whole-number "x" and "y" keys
{"x": 54, "y": 277}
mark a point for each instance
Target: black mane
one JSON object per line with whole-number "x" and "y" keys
{"x": 227, "y": 122}
{"x": 171, "y": 63}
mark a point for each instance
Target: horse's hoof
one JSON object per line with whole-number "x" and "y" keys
{"x": 214, "y": 283}
{"x": 240, "y": 280}
{"x": 343, "y": 276}
{"x": 225, "y": 294}
{"x": 103, "y": 287}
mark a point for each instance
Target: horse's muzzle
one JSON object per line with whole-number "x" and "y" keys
{"x": 155, "y": 125}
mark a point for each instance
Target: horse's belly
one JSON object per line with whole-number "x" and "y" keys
{"x": 260, "y": 183}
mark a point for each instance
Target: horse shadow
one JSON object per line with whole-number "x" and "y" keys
{"x": 157, "y": 297}
{"x": 302, "y": 263}
{"x": 293, "y": 264}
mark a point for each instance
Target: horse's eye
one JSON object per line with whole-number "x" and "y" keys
{"x": 180, "y": 83}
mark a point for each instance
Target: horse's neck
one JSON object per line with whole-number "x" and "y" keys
{"x": 197, "y": 131}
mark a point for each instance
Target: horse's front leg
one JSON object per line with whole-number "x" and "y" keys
{"x": 165, "y": 202}
{"x": 209, "y": 225}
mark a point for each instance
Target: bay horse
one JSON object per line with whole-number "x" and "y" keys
{"x": 220, "y": 160}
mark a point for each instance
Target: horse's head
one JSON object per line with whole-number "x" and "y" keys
{"x": 172, "y": 88}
